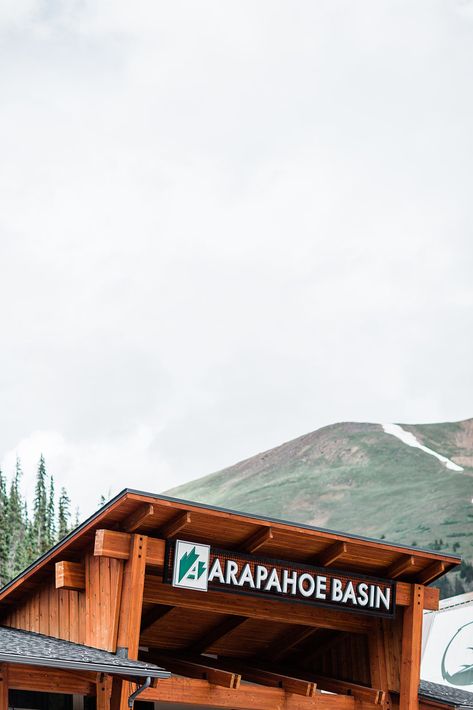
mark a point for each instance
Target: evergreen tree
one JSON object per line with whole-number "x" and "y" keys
{"x": 51, "y": 515}
{"x": 16, "y": 526}
{"x": 40, "y": 510}
{"x": 64, "y": 514}
{"x": 4, "y": 536}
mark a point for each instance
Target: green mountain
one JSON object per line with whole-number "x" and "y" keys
{"x": 358, "y": 478}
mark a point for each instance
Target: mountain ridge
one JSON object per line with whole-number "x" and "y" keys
{"x": 356, "y": 477}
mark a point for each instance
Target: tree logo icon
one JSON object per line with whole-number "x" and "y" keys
{"x": 191, "y": 565}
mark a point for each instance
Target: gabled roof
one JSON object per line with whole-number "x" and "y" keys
{"x": 445, "y": 694}
{"x": 230, "y": 529}
{"x": 32, "y": 649}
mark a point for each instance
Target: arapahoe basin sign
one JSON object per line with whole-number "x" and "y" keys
{"x": 201, "y": 567}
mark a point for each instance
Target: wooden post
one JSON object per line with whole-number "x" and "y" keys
{"x": 130, "y": 611}
{"x": 3, "y": 686}
{"x": 132, "y": 597}
{"x": 378, "y": 661}
{"x": 104, "y": 687}
{"x": 411, "y": 650}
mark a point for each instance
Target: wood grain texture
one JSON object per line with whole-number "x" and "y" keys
{"x": 201, "y": 693}
{"x": 139, "y": 517}
{"x": 49, "y": 680}
{"x": 132, "y": 596}
{"x": 70, "y": 575}
{"x": 411, "y": 651}
{"x": 156, "y": 592}
{"x": 3, "y": 686}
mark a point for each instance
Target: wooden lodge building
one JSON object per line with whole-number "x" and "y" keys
{"x": 162, "y": 603}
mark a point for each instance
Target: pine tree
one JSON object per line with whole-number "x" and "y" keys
{"x": 51, "y": 515}
{"x": 4, "y": 536}
{"x": 40, "y": 509}
{"x": 16, "y": 526}
{"x": 64, "y": 514}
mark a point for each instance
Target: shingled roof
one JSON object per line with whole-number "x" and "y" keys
{"x": 34, "y": 649}
{"x": 447, "y": 694}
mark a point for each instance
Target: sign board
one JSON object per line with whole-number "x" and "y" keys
{"x": 447, "y": 653}
{"x": 201, "y": 567}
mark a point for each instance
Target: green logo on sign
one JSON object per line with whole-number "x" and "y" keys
{"x": 190, "y": 567}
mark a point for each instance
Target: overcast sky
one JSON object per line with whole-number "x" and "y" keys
{"x": 226, "y": 224}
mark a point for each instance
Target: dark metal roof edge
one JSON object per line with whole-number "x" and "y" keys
{"x": 456, "y": 559}
{"x": 84, "y": 666}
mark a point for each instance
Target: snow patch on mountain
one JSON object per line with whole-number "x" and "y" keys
{"x": 408, "y": 438}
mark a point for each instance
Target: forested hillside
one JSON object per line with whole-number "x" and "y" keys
{"x": 26, "y": 532}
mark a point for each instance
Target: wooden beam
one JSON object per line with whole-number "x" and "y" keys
{"x": 132, "y": 597}
{"x": 218, "y": 632}
{"x": 141, "y": 515}
{"x": 111, "y": 543}
{"x": 292, "y": 682}
{"x": 201, "y": 693}
{"x": 70, "y": 575}
{"x": 331, "y": 554}
{"x": 49, "y": 680}
{"x": 358, "y": 692}
{"x": 155, "y": 592}
{"x": 174, "y": 526}
{"x": 404, "y": 595}
{"x": 411, "y": 651}
{"x": 258, "y": 539}
{"x": 427, "y": 575}
{"x": 403, "y": 565}
{"x": 3, "y": 686}
{"x": 153, "y": 615}
{"x": 204, "y": 669}
{"x": 287, "y": 641}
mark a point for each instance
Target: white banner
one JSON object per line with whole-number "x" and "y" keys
{"x": 447, "y": 655}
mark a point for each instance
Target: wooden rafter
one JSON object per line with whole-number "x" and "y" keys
{"x": 249, "y": 672}
{"x": 174, "y": 526}
{"x": 218, "y": 632}
{"x": 197, "y": 668}
{"x": 157, "y": 612}
{"x": 258, "y": 539}
{"x": 331, "y": 554}
{"x": 334, "y": 685}
{"x": 287, "y": 642}
{"x": 434, "y": 570}
{"x": 403, "y": 565}
{"x": 141, "y": 515}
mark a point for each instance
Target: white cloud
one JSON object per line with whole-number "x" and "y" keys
{"x": 227, "y": 224}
